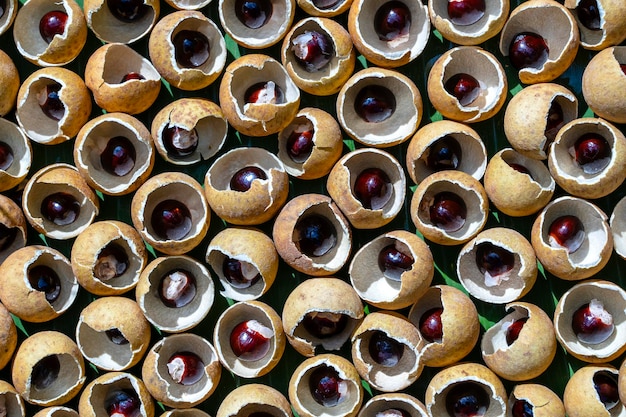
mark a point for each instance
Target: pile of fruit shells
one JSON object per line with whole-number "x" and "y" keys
{"x": 497, "y": 126}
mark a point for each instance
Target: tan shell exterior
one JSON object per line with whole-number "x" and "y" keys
{"x": 185, "y": 412}
{"x": 254, "y": 396}
{"x": 301, "y": 399}
{"x": 490, "y": 25}
{"x": 18, "y": 296}
{"x": 284, "y": 226}
{"x": 37, "y": 347}
{"x": 9, "y": 83}
{"x": 187, "y": 4}
{"x": 521, "y": 277}
{"x": 73, "y": 94}
{"x": 385, "y": 401}
{"x": 553, "y": 22}
{"x": 171, "y": 185}
{"x": 613, "y": 299}
{"x": 533, "y": 351}
{"x": 397, "y": 327}
{"x": 15, "y": 137}
{"x": 617, "y": 226}
{"x": 327, "y": 144}
{"x": 333, "y": 76}
{"x": 326, "y": 294}
{"x": 546, "y": 403}
{"x": 11, "y": 216}
{"x": 343, "y": 176}
{"x": 163, "y": 388}
{"x": 9, "y": 16}
{"x": 436, "y": 391}
{"x": 375, "y": 288}
{"x": 257, "y": 119}
{"x": 14, "y": 401}
{"x": 621, "y": 382}
{"x": 613, "y": 26}
{"x": 593, "y": 254}
{"x": 604, "y": 84}
{"x": 459, "y": 319}
{"x": 478, "y": 63}
{"x": 108, "y": 313}
{"x": 104, "y": 73}
{"x": 92, "y": 241}
{"x": 309, "y": 7}
{"x": 59, "y": 178}
{"x": 92, "y": 398}
{"x": 388, "y": 54}
{"x": 532, "y": 192}
{"x": 110, "y": 29}
{"x": 57, "y": 411}
{"x": 526, "y": 117}
{"x": 581, "y": 398}
{"x": 64, "y": 48}
{"x": 8, "y": 336}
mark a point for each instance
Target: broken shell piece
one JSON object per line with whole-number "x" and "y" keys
{"x": 488, "y": 25}
{"x": 104, "y": 23}
{"x": 8, "y": 15}
{"x": 10, "y": 77}
{"x": 12, "y": 228}
{"x": 324, "y": 8}
{"x": 103, "y": 396}
{"x": 542, "y": 400}
{"x": 181, "y": 370}
{"x": 321, "y": 312}
{"x": 618, "y": 227}
{"x": 188, "y": 4}
{"x": 610, "y": 301}
{"x": 168, "y": 304}
{"x": 112, "y": 333}
{"x": 603, "y": 83}
{"x": 608, "y": 30}
{"x": 185, "y": 412}
{"x": 590, "y": 391}
{"x": 11, "y": 403}
{"x": 17, "y": 155}
{"x": 393, "y": 270}
{"x": 8, "y": 338}
{"x": 394, "y": 404}
{"x": 497, "y": 266}
{"x": 49, "y": 369}
{"x": 254, "y": 398}
{"x": 57, "y": 411}
{"x": 249, "y": 338}
{"x": 39, "y": 284}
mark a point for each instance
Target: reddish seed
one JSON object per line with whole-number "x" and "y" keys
{"x": 444, "y": 154}
{"x": 250, "y": 340}
{"x": 623, "y": 67}
{"x": 45, "y": 279}
{"x": 242, "y": 180}
{"x": 264, "y": 93}
{"x": 592, "y": 323}
{"x": 326, "y": 386}
{"x": 528, "y": 50}
{"x": 191, "y": 48}
{"x": 493, "y": 260}
{"x": 465, "y": 12}
{"x": 132, "y": 76}
{"x": 467, "y": 399}
{"x": 607, "y": 388}
{"x": 588, "y": 14}
{"x": 373, "y": 188}
{"x": 522, "y": 408}
{"x": 385, "y": 350}
{"x": 430, "y": 325}
{"x": 300, "y": 145}
{"x": 177, "y": 288}
{"x": 592, "y": 152}
{"x": 6, "y": 156}
{"x": 566, "y": 232}
{"x": 118, "y": 157}
{"x": 45, "y": 372}
{"x": 519, "y": 168}
{"x": 326, "y": 4}
{"x": 394, "y": 262}
{"x": 238, "y": 274}
{"x": 448, "y": 211}
{"x": 60, "y": 208}
{"x": 50, "y": 102}
{"x": 324, "y": 325}
{"x": 171, "y": 220}
{"x": 315, "y": 235}
{"x": 116, "y": 336}
{"x": 554, "y": 122}
{"x": 313, "y": 50}
{"x": 392, "y": 21}
{"x": 52, "y": 24}
{"x": 179, "y": 142}
{"x": 122, "y": 403}
{"x": 127, "y": 11}
{"x": 512, "y": 332}
{"x": 464, "y": 87}
{"x": 185, "y": 368}
{"x": 111, "y": 262}
{"x": 253, "y": 13}
{"x": 375, "y": 103}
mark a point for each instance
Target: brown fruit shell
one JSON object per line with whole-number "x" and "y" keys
{"x": 614, "y": 300}
{"x": 59, "y": 178}
{"x": 473, "y": 152}
{"x": 329, "y": 79}
{"x": 581, "y": 398}
{"x": 163, "y": 387}
{"x": 105, "y": 70}
{"x": 553, "y": 22}
{"x": 478, "y": 63}
{"x": 466, "y": 187}
{"x": 612, "y": 25}
{"x": 12, "y": 400}
{"x": 604, "y": 84}
{"x": 310, "y": 7}
{"x": 617, "y": 225}
{"x": 388, "y": 54}
{"x": 93, "y": 138}
{"x": 233, "y": 316}
{"x": 532, "y": 192}
{"x": 108, "y": 313}
{"x": 14, "y": 136}
{"x": 270, "y": 33}
{"x": 530, "y": 354}
{"x": 393, "y": 400}
{"x": 621, "y": 382}
{"x": 73, "y": 94}
{"x": 171, "y": 185}
{"x": 459, "y": 320}
{"x": 11, "y": 216}
{"x": 71, "y": 376}
{"x": 63, "y": 48}
{"x": 327, "y": 144}
{"x": 327, "y": 295}
{"x": 251, "y": 118}
{"x": 188, "y": 4}
{"x": 593, "y": 254}
{"x": 488, "y": 26}
{"x": 399, "y": 126}
{"x": 479, "y": 374}
{"x": 21, "y": 299}
{"x": 300, "y": 395}
{"x": 261, "y": 202}
{"x": 254, "y": 397}
{"x": 245, "y": 245}
{"x": 182, "y": 318}
{"x": 8, "y": 336}
{"x": 92, "y": 241}
{"x": 57, "y": 411}
{"x": 544, "y": 401}
{"x": 9, "y": 78}
{"x": 110, "y": 29}
{"x": 569, "y": 175}
{"x": 342, "y": 178}
{"x": 185, "y": 412}
{"x": 398, "y": 328}
{"x": 6, "y": 20}
{"x": 162, "y": 50}
{"x": 93, "y": 397}
{"x": 526, "y": 117}
{"x": 376, "y": 288}
{"x": 506, "y": 287}
{"x": 284, "y": 231}
{"x": 200, "y": 114}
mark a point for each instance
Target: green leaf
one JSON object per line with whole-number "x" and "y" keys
{"x": 485, "y": 322}
{"x": 362, "y": 60}
{"x": 438, "y": 35}
{"x": 232, "y": 46}
{"x": 413, "y": 188}
{"x": 450, "y": 281}
{"x": 230, "y": 301}
{"x": 570, "y": 369}
{"x": 238, "y": 136}
{"x": 436, "y": 117}
{"x": 295, "y": 413}
{"x": 100, "y": 195}
{"x": 168, "y": 87}
{"x": 349, "y": 144}
{"x": 588, "y": 113}
{"x": 541, "y": 270}
{"x": 366, "y": 309}
{"x": 19, "y": 324}
{"x": 419, "y": 234}
{"x": 43, "y": 239}
{"x": 555, "y": 300}
{"x": 150, "y": 249}
{"x": 94, "y": 368}
{"x": 161, "y": 406}
{"x": 516, "y": 89}
{"x": 366, "y": 387}
{"x": 496, "y": 215}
